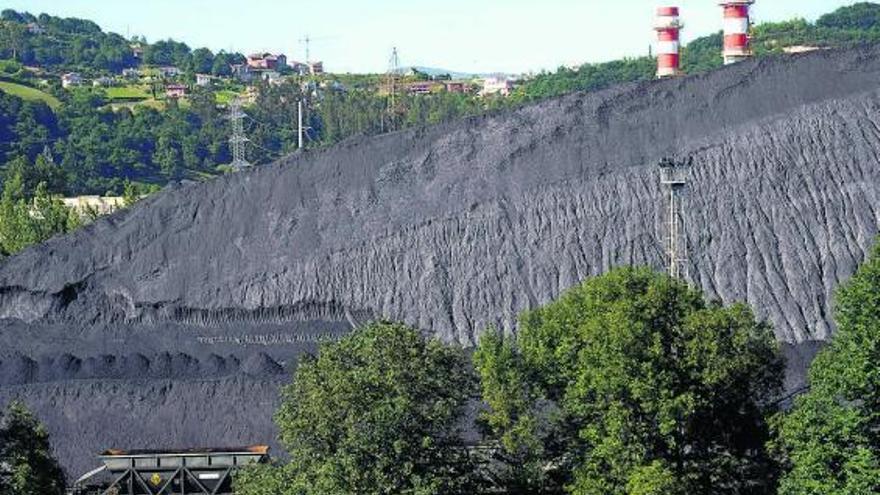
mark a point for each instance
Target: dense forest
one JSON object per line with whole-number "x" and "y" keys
{"x": 80, "y": 44}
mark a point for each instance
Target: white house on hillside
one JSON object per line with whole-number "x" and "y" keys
{"x": 168, "y": 71}
{"x": 102, "y": 81}
{"x": 71, "y": 79}
{"x": 497, "y": 86}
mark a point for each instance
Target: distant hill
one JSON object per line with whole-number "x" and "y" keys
{"x": 63, "y": 44}
{"x": 434, "y": 71}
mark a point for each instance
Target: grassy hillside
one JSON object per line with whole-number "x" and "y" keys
{"x": 29, "y": 94}
{"x": 127, "y": 93}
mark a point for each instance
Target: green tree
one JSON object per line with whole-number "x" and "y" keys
{"x": 632, "y": 384}
{"x": 50, "y": 216}
{"x": 27, "y": 220}
{"x": 862, "y": 15}
{"x": 13, "y": 38}
{"x": 831, "y": 439}
{"x": 130, "y": 193}
{"x": 376, "y": 413}
{"x": 702, "y": 54}
{"x": 202, "y": 60}
{"x": 26, "y": 463}
{"x": 16, "y": 226}
{"x": 221, "y": 65}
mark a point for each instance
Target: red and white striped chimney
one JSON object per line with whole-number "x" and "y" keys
{"x": 668, "y": 26}
{"x": 736, "y": 30}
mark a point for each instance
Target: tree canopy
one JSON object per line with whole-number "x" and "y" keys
{"x": 376, "y": 413}
{"x": 27, "y": 219}
{"x": 862, "y": 15}
{"x": 830, "y": 440}
{"x": 632, "y": 383}
{"x": 26, "y": 463}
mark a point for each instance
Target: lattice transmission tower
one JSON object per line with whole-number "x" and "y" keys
{"x": 238, "y": 140}
{"x": 392, "y": 81}
{"x": 673, "y": 179}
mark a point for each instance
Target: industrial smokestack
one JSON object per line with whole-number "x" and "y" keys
{"x": 736, "y": 30}
{"x": 668, "y": 26}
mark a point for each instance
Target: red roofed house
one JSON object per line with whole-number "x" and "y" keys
{"x": 266, "y": 61}
{"x": 175, "y": 91}
{"x": 424, "y": 87}
{"x": 455, "y": 87}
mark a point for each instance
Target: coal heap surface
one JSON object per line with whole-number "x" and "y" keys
{"x": 172, "y": 323}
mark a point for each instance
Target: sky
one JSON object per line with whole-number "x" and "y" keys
{"x": 477, "y": 36}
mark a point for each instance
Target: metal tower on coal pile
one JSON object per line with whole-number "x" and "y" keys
{"x": 673, "y": 179}
{"x": 238, "y": 139}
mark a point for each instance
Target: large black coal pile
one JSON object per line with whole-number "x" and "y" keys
{"x": 172, "y": 324}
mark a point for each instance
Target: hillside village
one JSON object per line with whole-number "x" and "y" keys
{"x": 137, "y": 84}
{"x": 141, "y": 78}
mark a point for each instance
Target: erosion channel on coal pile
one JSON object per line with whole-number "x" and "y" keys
{"x": 173, "y": 323}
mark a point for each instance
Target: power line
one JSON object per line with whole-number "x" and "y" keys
{"x": 277, "y": 154}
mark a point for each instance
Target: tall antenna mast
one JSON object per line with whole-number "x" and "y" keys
{"x": 238, "y": 139}
{"x": 673, "y": 178}
{"x": 307, "y": 40}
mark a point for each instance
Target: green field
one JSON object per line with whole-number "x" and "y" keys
{"x": 29, "y": 93}
{"x": 224, "y": 96}
{"x": 131, "y": 105}
{"x": 127, "y": 93}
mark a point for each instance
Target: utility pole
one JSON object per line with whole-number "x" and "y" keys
{"x": 299, "y": 106}
{"x": 238, "y": 139}
{"x": 673, "y": 178}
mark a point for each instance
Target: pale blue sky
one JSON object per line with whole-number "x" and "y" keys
{"x": 463, "y": 35}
